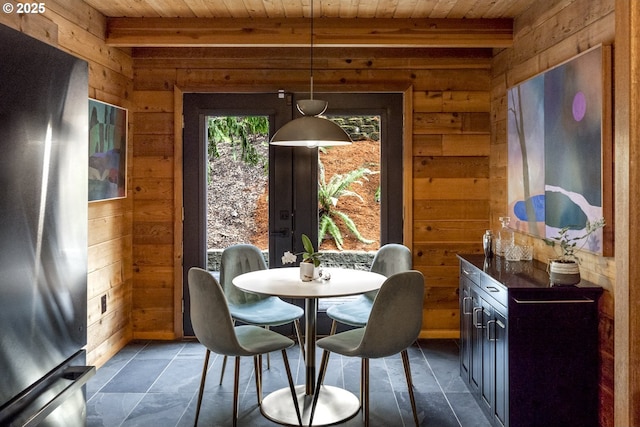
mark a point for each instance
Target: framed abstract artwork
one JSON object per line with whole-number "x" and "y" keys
{"x": 107, "y": 151}
{"x": 560, "y": 150}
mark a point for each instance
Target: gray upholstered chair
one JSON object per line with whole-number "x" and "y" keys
{"x": 394, "y": 324}
{"x": 214, "y": 328}
{"x": 390, "y": 259}
{"x": 252, "y": 309}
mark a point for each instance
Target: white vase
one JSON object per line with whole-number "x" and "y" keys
{"x": 564, "y": 272}
{"x": 307, "y": 271}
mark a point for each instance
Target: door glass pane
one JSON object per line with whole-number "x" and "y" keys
{"x": 237, "y": 178}
{"x": 349, "y": 188}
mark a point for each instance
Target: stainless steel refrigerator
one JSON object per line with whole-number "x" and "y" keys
{"x": 43, "y": 233}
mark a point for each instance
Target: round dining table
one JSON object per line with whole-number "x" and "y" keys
{"x": 335, "y": 404}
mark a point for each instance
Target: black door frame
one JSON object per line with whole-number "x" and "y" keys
{"x": 389, "y": 106}
{"x": 293, "y": 173}
{"x": 196, "y": 108}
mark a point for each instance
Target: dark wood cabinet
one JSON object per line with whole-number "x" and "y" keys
{"x": 528, "y": 351}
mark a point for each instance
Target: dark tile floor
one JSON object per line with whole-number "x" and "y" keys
{"x": 155, "y": 384}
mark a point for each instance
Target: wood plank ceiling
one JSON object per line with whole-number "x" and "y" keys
{"x": 241, "y": 9}
{"x": 337, "y": 23}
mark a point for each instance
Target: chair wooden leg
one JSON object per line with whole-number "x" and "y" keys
{"x": 365, "y": 392}
{"x": 362, "y": 381}
{"x": 407, "y": 373}
{"x": 224, "y": 361}
{"x": 202, "y": 381}
{"x": 405, "y": 354}
{"x": 260, "y": 366}
{"x": 296, "y": 324}
{"x": 236, "y": 396}
{"x": 285, "y": 359}
{"x": 334, "y": 326}
{"x": 258, "y": 373}
{"x": 224, "y": 365}
{"x": 323, "y": 367}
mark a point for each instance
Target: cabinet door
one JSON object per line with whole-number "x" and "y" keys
{"x": 466, "y": 327}
{"x": 488, "y": 353}
{"x": 498, "y": 335}
{"x": 495, "y": 364}
{"x": 477, "y": 335}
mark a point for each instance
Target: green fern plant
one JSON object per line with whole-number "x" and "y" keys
{"x": 328, "y": 195}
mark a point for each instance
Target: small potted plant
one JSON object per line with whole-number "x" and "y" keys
{"x": 310, "y": 259}
{"x": 565, "y": 270}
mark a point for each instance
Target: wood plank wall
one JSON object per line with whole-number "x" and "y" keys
{"x": 451, "y": 126}
{"x": 78, "y": 29}
{"x": 459, "y": 153}
{"x": 547, "y": 34}
{"x": 627, "y": 155}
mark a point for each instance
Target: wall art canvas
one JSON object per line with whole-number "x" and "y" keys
{"x": 107, "y": 151}
{"x": 526, "y": 156}
{"x": 559, "y": 147}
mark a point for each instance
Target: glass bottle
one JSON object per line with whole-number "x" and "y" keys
{"x": 505, "y": 236}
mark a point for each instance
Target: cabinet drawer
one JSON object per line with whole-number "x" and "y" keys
{"x": 470, "y": 272}
{"x": 494, "y": 289}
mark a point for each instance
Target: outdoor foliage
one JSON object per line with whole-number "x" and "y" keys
{"x": 244, "y": 139}
{"x": 328, "y": 195}
{"x": 241, "y": 132}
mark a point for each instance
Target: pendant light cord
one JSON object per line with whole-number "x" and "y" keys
{"x": 311, "y": 53}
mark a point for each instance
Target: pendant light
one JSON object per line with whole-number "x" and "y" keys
{"x": 310, "y": 130}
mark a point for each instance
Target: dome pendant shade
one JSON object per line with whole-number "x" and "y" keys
{"x": 310, "y": 131}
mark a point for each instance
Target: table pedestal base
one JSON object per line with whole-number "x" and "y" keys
{"x": 334, "y": 405}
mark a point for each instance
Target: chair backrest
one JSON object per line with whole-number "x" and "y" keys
{"x": 236, "y": 260}
{"x": 396, "y": 316}
{"x": 390, "y": 259}
{"x": 210, "y": 315}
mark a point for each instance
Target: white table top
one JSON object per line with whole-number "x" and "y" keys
{"x": 285, "y": 282}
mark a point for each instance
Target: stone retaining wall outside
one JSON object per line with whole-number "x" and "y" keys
{"x": 357, "y": 260}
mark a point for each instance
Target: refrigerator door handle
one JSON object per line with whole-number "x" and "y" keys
{"x": 28, "y": 410}
{"x": 79, "y": 375}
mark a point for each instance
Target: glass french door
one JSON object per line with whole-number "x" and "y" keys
{"x": 293, "y": 174}
{"x": 198, "y": 107}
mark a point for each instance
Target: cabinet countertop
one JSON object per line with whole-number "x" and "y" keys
{"x": 531, "y": 275}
